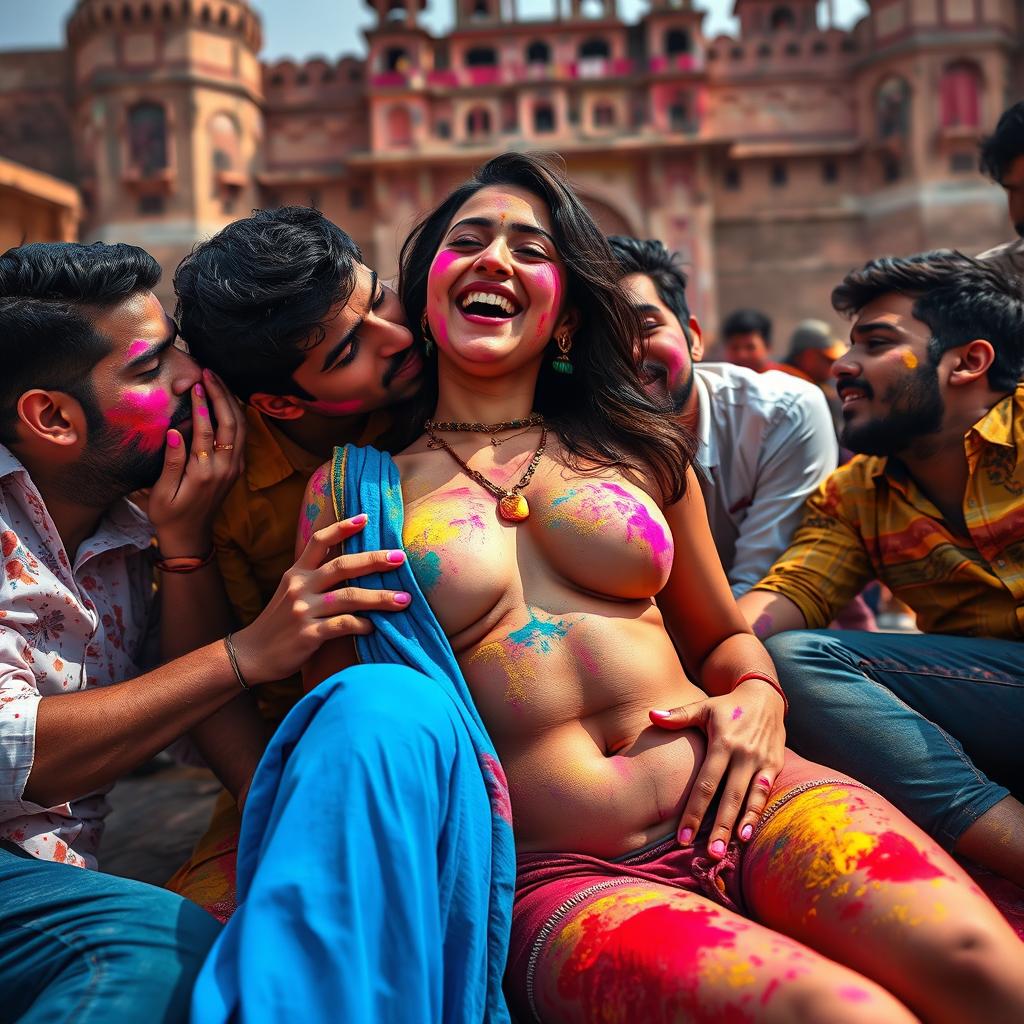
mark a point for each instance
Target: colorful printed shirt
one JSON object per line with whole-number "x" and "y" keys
{"x": 870, "y": 520}
{"x": 63, "y": 627}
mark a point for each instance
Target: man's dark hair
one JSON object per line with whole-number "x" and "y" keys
{"x": 1004, "y": 145}
{"x": 50, "y": 295}
{"x": 250, "y": 296}
{"x": 748, "y": 321}
{"x": 958, "y": 297}
{"x": 650, "y": 257}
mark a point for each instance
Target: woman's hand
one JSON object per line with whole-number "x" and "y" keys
{"x": 746, "y": 745}
{"x": 184, "y": 501}
{"x": 313, "y": 604}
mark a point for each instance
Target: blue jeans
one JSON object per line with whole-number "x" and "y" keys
{"x": 933, "y": 723}
{"x": 78, "y": 945}
{"x": 363, "y": 865}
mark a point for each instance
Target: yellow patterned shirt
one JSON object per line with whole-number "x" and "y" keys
{"x": 869, "y": 520}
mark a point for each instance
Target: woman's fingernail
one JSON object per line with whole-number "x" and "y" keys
{"x": 686, "y": 836}
{"x": 402, "y": 598}
{"x": 173, "y": 439}
{"x": 358, "y": 520}
{"x": 718, "y": 847}
{"x": 200, "y": 391}
{"x": 397, "y": 557}
{"x": 746, "y": 832}
{"x": 661, "y": 714}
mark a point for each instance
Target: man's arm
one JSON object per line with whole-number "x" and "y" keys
{"x": 770, "y": 613}
{"x": 798, "y": 453}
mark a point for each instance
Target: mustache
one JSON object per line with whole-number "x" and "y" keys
{"x": 855, "y": 383}
{"x": 396, "y": 364}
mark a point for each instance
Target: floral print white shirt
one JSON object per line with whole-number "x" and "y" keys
{"x": 63, "y": 628}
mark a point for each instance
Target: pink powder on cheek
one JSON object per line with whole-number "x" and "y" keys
{"x": 143, "y": 417}
{"x": 337, "y": 408}
{"x": 442, "y": 261}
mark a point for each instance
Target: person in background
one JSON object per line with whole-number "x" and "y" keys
{"x": 780, "y": 424}
{"x": 933, "y": 507}
{"x": 1001, "y": 158}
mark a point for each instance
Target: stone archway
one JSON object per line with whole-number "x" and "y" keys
{"x": 609, "y": 219}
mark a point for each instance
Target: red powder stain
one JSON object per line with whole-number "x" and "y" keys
{"x": 852, "y": 910}
{"x": 769, "y": 989}
{"x": 896, "y": 859}
{"x": 143, "y": 417}
{"x": 646, "y": 968}
{"x": 854, "y": 995}
{"x": 737, "y": 713}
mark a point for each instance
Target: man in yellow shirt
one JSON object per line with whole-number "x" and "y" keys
{"x": 933, "y": 506}
{"x": 282, "y": 307}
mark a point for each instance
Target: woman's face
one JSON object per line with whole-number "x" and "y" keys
{"x": 496, "y": 285}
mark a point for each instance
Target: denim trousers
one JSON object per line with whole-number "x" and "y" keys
{"x": 78, "y": 945}
{"x": 933, "y": 723}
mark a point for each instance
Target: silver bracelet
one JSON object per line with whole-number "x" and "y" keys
{"x": 233, "y": 658}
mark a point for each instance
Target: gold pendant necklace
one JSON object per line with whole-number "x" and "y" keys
{"x": 512, "y": 506}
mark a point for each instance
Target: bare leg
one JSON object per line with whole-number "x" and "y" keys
{"x": 996, "y": 840}
{"x": 651, "y": 953}
{"x": 840, "y": 869}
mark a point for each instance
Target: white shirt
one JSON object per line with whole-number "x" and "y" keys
{"x": 766, "y": 442}
{"x": 62, "y": 628}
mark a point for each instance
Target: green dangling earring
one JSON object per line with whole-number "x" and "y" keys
{"x": 562, "y": 363}
{"x": 428, "y": 341}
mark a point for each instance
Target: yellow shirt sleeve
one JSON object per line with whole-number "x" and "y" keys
{"x": 826, "y": 564}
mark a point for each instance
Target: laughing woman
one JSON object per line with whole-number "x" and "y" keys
{"x": 547, "y": 505}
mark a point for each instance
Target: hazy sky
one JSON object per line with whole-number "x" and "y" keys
{"x": 302, "y": 28}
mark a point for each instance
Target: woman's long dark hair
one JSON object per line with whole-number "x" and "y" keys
{"x": 601, "y": 412}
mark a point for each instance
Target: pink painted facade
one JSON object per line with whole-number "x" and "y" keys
{"x": 773, "y": 161}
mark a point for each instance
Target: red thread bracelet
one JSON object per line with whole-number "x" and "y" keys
{"x": 773, "y": 683}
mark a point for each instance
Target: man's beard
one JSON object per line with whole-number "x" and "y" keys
{"x": 113, "y": 465}
{"x": 676, "y": 392}
{"x": 917, "y": 410}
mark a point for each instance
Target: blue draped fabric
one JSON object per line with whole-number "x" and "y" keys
{"x": 376, "y": 864}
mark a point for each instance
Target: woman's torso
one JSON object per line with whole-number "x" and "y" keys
{"x": 554, "y": 624}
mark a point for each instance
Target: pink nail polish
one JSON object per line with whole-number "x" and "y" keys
{"x": 173, "y": 439}
{"x": 686, "y": 836}
{"x": 660, "y": 714}
{"x": 718, "y": 847}
{"x": 200, "y": 390}
{"x": 746, "y": 832}
{"x": 359, "y": 520}
{"x": 396, "y": 557}
{"x": 402, "y": 598}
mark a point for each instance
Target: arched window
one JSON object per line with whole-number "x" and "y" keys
{"x": 543, "y": 118}
{"x": 481, "y": 57}
{"x": 478, "y": 122}
{"x": 538, "y": 52}
{"x": 225, "y": 143}
{"x": 782, "y": 18}
{"x": 604, "y": 115}
{"x": 595, "y": 47}
{"x": 960, "y": 95}
{"x": 892, "y": 109}
{"x": 677, "y": 42}
{"x": 147, "y": 138}
{"x": 399, "y": 124}
{"x": 396, "y": 59}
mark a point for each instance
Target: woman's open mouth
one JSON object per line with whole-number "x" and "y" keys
{"x": 488, "y": 304}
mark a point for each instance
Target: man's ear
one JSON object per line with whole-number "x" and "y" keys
{"x": 696, "y": 340}
{"x": 972, "y": 362}
{"x": 53, "y": 417}
{"x": 278, "y": 407}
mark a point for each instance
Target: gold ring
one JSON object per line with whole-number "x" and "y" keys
{"x": 202, "y": 455}
{"x": 223, "y": 447}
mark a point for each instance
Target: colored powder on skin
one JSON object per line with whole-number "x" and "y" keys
{"x": 641, "y": 524}
{"x": 910, "y": 360}
{"x": 737, "y": 713}
{"x": 320, "y": 489}
{"x": 426, "y": 567}
{"x": 426, "y": 533}
{"x": 854, "y": 995}
{"x": 895, "y": 859}
{"x": 136, "y": 348}
{"x": 538, "y": 633}
{"x": 497, "y": 787}
{"x": 517, "y": 668}
{"x": 143, "y": 417}
{"x": 600, "y": 949}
